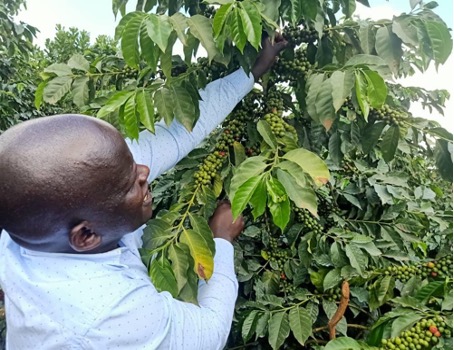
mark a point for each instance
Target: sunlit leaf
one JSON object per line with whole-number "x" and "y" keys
{"x": 265, "y": 131}
{"x": 162, "y": 276}
{"x": 310, "y": 163}
{"x": 251, "y": 20}
{"x": 56, "y": 88}
{"x": 159, "y": 30}
{"x": 243, "y": 194}
{"x": 201, "y": 29}
{"x": 200, "y": 252}
{"x": 79, "y": 62}
{"x": 145, "y": 109}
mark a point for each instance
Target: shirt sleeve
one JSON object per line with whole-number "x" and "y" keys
{"x": 146, "y": 319}
{"x": 162, "y": 150}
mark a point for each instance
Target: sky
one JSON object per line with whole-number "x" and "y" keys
{"x": 96, "y": 17}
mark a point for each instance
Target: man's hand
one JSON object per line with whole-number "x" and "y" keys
{"x": 222, "y": 224}
{"x": 267, "y": 55}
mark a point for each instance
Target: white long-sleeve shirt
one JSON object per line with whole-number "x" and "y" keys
{"x": 106, "y": 301}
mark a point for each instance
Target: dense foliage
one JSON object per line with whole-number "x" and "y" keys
{"x": 347, "y": 195}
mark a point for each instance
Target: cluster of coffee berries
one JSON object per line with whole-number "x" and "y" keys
{"x": 286, "y": 285}
{"x": 233, "y": 131}
{"x": 178, "y": 69}
{"x": 209, "y": 168}
{"x": 310, "y": 223}
{"x": 423, "y": 335}
{"x": 278, "y": 126}
{"x": 292, "y": 69}
{"x": 390, "y": 115}
{"x": 274, "y": 102}
{"x": 209, "y": 11}
{"x": 128, "y": 73}
{"x": 349, "y": 168}
{"x": 439, "y": 268}
{"x": 209, "y": 71}
{"x": 277, "y": 256}
{"x": 296, "y": 35}
{"x": 435, "y": 269}
{"x": 333, "y": 294}
{"x": 253, "y": 150}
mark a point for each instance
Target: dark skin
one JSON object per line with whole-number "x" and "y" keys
{"x": 69, "y": 183}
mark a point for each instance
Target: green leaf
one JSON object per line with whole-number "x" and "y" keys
{"x": 342, "y": 84}
{"x": 324, "y": 105}
{"x": 367, "y": 38}
{"x": 237, "y": 30}
{"x": 114, "y": 102}
{"x": 162, "y": 276}
{"x": 300, "y": 324}
{"x": 262, "y": 324}
{"x": 79, "y": 62}
{"x": 303, "y": 197}
{"x": 159, "y": 30}
{"x": 376, "y": 88}
{"x": 404, "y": 322}
{"x": 371, "y": 136}
{"x": 156, "y": 233}
{"x": 239, "y": 153}
{"x": 80, "y": 91}
{"x": 313, "y": 86}
{"x": 389, "y": 143}
{"x": 404, "y": 28}
{"x": 244, "y": 194}
{"x": 429, "y": 289}
{"x": 361, "y": 93}
{"x": 357, "y": 258}
{"x": 200, "y": 252}
{"x": 303, "y": 180}
{"x": 124, "y": 21}
{"x": 279, "y": 204}
{"x": 258, "y": 199}
{"x": 279, "y": 329}
{"x": 180, "y": 263}
{"x": 265, "y": 131}
{"x": 332, "y": 279}
{"x": 201, "y": 28}
{"x": 163, "y": 100}
{"x": 440, "y": 40}
{"x": 130, "y": 42}
{"x": 252, "y": 24}
{"x": 386, "y": 286}
{"x": 344, "y": 343}
{"x": 59, "y": 69}
{"x": 250, "y": 167}
{"x": 388, "y": 46}
{"x": 348, "y": 7}
{"x": 56, "y": 88}
{"x": 39, "y": 94}
{"x": 145, "y": 109}
{"x": 310, "y": 163}
{"x": 443, "y": 158}
{"x": 249, "y": 323}
{"x": 220, "y": 18}
{"x": 180, "y": 24}
{"x": 200, "y": 225}
{"x": 130, "y": 119}
{"x": 183, "y": 106}
{"x": 148, "y": 49}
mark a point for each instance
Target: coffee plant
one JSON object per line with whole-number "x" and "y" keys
{"x": 346, "y": 195}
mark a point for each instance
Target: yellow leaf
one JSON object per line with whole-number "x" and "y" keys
{"x": 200, "y": 252}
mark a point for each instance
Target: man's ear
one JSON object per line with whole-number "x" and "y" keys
{"x": 83, "y": 239}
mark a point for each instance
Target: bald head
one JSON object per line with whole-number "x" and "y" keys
{"x": 56, "y": 171}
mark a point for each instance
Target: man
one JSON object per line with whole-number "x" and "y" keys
{"x": 74, "y": 198}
